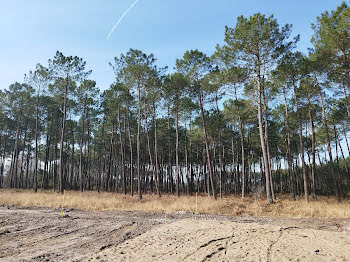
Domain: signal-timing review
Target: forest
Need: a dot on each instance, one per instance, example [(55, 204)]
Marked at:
[(256, 117)]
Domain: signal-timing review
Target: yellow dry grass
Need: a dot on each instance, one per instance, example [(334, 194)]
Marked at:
[(234, 206)]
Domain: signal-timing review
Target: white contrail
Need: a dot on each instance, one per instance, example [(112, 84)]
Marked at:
[(121, 18)]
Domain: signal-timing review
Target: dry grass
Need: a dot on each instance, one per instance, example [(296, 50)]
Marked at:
[(92, 201)]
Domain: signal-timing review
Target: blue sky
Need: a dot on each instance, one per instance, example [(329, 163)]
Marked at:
[(32, 31)]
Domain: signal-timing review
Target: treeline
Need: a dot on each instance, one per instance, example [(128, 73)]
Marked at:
[(255, 117)]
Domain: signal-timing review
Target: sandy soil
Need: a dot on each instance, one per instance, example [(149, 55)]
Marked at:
[(41, 234)]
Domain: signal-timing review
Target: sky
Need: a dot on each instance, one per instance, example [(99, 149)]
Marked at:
[(32, 31)]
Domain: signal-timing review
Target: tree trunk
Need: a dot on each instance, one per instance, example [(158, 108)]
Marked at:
[(61, 185), (344, 159), (289, 151), (20, 182), (122, 154), (13, 167), (325, 122), (220, 143), (177, 148), (169, 173), (262, 137), (2, 167), (268, 146), (150, 153), (35, 186), (313, 148), (138, 141), (206, 144), (243, 160), (189, 182), (301, 145), (88, 162), (108, 182), (131, 153), (27, 167), (156, 150), (72, 162), (233, 164)]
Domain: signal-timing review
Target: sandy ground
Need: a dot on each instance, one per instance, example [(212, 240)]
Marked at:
[(41, 234)]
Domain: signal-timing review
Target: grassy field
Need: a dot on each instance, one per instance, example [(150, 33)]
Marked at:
[(234, 206)]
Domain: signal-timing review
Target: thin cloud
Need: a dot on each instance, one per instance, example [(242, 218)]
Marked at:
[(121, 18)]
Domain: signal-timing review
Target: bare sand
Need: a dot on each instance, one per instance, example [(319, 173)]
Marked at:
[(43, 234), (212, 240)]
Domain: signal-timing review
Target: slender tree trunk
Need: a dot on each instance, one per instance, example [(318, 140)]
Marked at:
[(337, 158), (262, 137), (344, 159), (20, 182), (88, 164), (268, 146), (190, 159), (150, 154), (169, 173), (347, 101), (313, 148), (233, 163), (156, 151), (189, 182), (81, 178), (131, 153), (243, 160), (289, 151), (241, 129), (177, 169), (347, 68), (325, 122), (72, 161), (54, 173), (301, 145), (336, 142), (346, 139), (27, 167), (108, 182), (206, 144), (220, 142), (13, 168), (2, 167), (35, 186), (122, 154), (101, 167), (61, 185), (138, 141)]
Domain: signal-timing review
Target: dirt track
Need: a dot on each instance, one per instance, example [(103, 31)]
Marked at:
[(42, 234)]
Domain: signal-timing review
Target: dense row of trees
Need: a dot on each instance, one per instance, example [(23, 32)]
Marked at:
[(256, 116)]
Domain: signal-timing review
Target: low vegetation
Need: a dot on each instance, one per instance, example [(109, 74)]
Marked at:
[(324, 207)]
